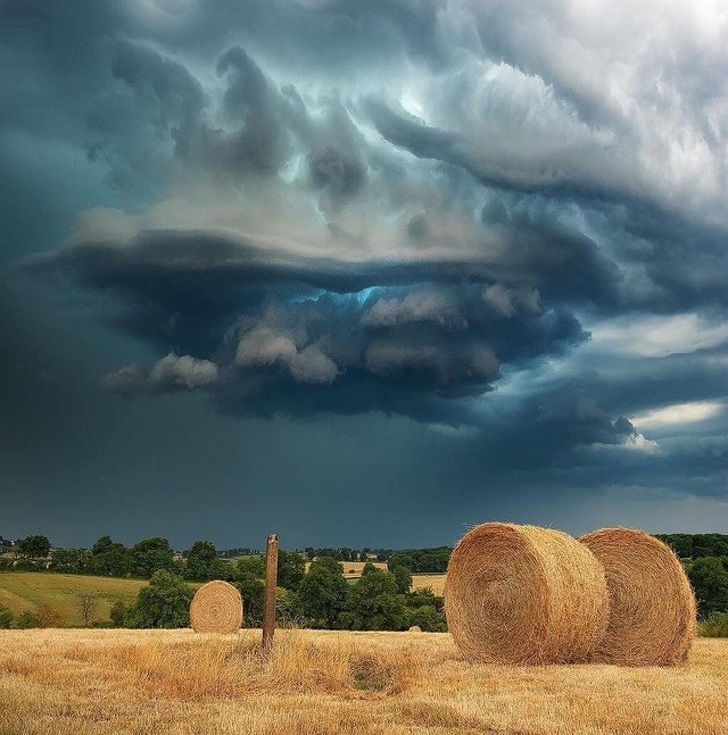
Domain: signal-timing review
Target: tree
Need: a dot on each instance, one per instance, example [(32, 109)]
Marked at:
[(203, 563), (403, 577), (110, 558), (709, 578), (118, 613), (322, 593), (373, 602), (151, 555), (70, 561), (249, 575), (427, 618), (86, 606), (47, 617), (34, 547), (103, 546), (291, 568), (26, 619), (425, 596), (6, 617), (163, 603)]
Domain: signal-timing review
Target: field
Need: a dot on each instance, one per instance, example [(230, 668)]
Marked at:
[(83, 682), (24, 590), (353, 569), (435, 581)]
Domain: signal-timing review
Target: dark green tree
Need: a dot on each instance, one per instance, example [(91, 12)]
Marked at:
[(403, 577), (709, 579), (34, 547), (425, 596), (373, 602), (26, 619), (70, 561), (322, 594), (248, 577), (6, 617), (118, 614), (203, 564), (427, 618), (291, 568), (110, 558), (151, 555), (163, 603)]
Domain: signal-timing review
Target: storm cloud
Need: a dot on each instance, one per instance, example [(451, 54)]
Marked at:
[(505, 223)]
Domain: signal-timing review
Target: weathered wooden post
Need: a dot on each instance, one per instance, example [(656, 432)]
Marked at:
[(269, 601)]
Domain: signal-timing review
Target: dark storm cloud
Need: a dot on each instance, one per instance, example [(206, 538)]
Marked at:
[(412, 207), (401, 350)]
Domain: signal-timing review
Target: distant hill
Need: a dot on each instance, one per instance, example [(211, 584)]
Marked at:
[(21, 591)]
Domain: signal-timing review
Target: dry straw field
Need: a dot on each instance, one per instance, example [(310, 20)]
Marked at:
[(83, 682)]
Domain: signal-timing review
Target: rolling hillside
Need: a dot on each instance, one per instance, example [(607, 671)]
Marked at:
[(25, 590)]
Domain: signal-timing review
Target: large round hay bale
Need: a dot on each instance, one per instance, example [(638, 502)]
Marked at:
[(652, 618), (524, 595), (217, 607)]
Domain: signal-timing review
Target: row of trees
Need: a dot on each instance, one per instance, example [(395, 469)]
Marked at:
[(423, 561), (111, 558), (696, 545), (322, 598), (200, 563)]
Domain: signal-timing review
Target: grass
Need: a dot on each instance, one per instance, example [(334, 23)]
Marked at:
[(83, 682), (25, 590), (716, 626)]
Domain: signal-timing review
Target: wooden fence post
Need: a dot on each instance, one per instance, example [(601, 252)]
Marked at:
[(269, 600)]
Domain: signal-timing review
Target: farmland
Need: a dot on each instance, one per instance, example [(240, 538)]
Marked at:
[(21, 591), (84, 682)]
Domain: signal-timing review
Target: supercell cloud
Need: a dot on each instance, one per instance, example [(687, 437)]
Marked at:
[(504, 221)]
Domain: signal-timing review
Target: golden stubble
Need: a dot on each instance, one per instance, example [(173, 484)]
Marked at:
[(82, 682)]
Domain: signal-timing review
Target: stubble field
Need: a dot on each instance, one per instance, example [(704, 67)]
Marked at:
[(78, 682)]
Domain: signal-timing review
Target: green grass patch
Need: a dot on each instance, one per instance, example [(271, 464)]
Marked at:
[(716, 626), (21, 591)]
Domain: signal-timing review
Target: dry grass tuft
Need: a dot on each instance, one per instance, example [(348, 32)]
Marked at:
[(524, 595), (217, 607), (652, 620)]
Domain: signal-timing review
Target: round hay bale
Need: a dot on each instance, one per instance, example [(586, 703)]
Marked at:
[(217, 607), (415, 629), (652, 617), (524, 595)]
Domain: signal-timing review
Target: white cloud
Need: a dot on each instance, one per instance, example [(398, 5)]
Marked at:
[(264, 346), (657, 336), (183, 371), (418, 306), (678, 414)]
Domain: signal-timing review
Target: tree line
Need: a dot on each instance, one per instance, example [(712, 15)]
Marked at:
[(322, 598), (704, 556)]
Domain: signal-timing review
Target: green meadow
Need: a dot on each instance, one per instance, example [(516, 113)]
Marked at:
[(26, 590)]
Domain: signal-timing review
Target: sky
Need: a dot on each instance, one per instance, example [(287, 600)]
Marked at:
[(362, 273)]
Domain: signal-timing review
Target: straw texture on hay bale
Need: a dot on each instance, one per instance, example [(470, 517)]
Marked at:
[(217, 607), (524, 595), (652, 620), (415, 629)]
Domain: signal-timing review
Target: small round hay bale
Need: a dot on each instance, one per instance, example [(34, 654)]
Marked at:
[(652, 618), (524, 595), (217, 607), (415, 629)]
